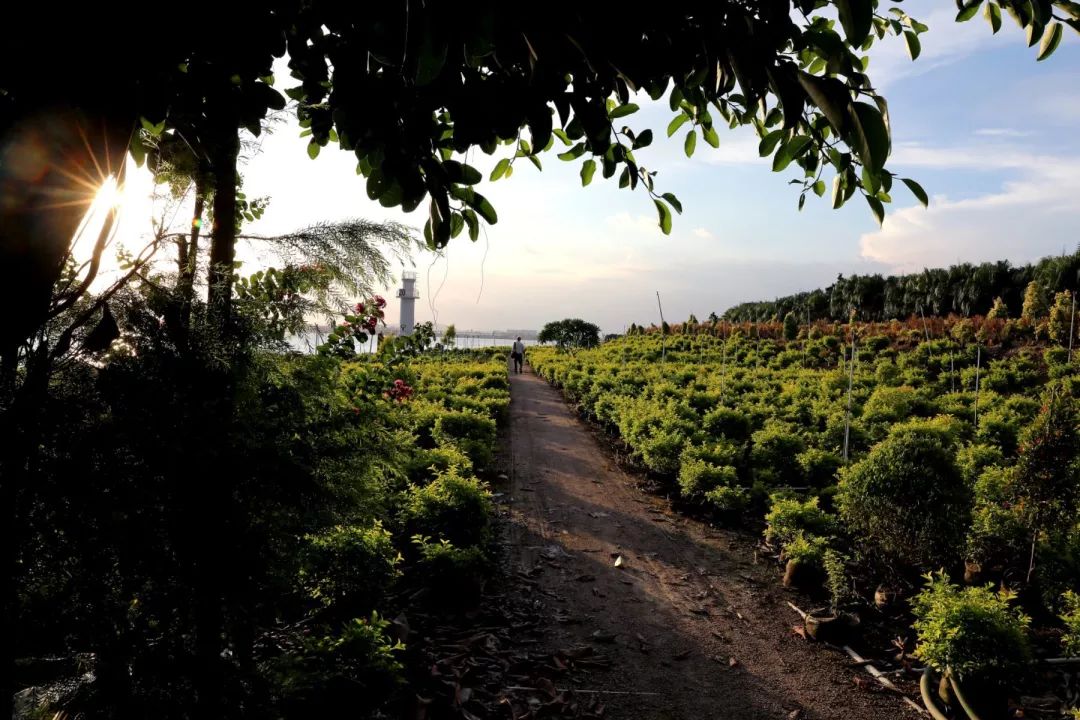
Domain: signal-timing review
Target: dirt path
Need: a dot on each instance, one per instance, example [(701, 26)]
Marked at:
[(693, 627)]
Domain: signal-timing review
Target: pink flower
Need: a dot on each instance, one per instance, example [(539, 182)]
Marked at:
[(359, 308), (379, 301)]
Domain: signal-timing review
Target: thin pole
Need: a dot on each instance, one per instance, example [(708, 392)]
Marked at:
[(978, 363), (952, 373), (663, 340), (851, 380), (723, 362), (1072, 325)]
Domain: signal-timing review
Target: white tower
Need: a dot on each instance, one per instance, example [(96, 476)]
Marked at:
[(408, 295)]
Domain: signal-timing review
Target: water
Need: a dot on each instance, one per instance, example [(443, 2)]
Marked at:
[(307, 342)]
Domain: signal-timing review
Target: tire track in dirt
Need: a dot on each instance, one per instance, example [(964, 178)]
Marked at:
[(693, 628)]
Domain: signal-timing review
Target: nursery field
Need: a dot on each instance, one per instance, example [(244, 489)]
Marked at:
[(920, 475)]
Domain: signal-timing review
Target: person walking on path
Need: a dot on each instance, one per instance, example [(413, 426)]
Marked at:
[(517, 353)]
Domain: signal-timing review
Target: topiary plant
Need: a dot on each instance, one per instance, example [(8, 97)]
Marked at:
[(789, 516), (973, 632), (350, 568), (451, 507), (908, 500)]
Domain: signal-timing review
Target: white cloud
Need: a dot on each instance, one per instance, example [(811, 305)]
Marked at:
[(1002, 133), (703, 233), (1031, 215)]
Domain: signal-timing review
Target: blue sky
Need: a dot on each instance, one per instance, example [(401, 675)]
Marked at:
[(988, 131)]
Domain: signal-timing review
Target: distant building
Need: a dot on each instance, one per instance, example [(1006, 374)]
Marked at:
[(408, 294)]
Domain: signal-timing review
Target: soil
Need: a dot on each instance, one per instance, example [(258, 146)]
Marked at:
[(692, 624)]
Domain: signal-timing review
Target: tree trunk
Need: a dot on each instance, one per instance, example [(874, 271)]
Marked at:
[(8, 597), (223, 238), (189, 260)]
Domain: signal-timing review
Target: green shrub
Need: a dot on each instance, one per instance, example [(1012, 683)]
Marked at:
[(728, 500), (349, 567), (806, 550), (453, 575), (774, 454), (727, 423), (908, 500), (789, 517), (973, 631), (354, 670), (698, 477), (999, 538), (452, 507), (425, 464), (973, 459), (422, 415), (473, 433), (837, 580), (1070, 640), (819, 467)]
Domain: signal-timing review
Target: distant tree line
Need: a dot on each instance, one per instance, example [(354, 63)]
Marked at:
[(965, 289)]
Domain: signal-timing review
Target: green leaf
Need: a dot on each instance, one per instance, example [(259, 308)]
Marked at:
[(917, 190), (623, 111), (588, 168), (484, 208), (473, 223), (665, 216), (563, 137), (830, 96), (457, 223), (500, 169), (819, 188), (857, 17), (968, 10), (690, 143), (313, 149), (461, 173), (838, 191), (673, 201), (914, 47), (676, 123), (624, 178), (790, 150), (644, 139), (992, 13), (711, 137), (573, 153), (1051, 40), (871, 137), (877, 208), (769, 142), (536, 162)]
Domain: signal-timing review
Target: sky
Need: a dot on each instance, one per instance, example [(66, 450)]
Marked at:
[(988, 132)]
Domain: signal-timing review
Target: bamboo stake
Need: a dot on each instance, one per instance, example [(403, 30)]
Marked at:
[(663, 340)]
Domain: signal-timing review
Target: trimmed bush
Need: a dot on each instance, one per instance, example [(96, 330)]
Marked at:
[(454, 575), (819, 467), (349, 567), (326, 674), (452, 508), (698, 477), (788, 517), (973, 632), (473, 433), (724, 422), (908, 500), (774, 454), (423, 465)]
